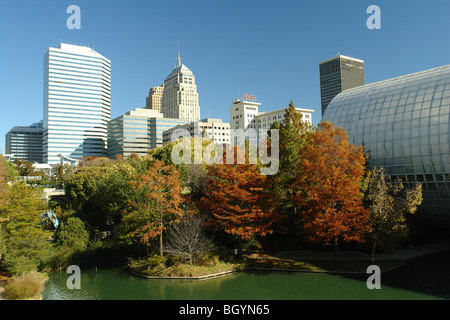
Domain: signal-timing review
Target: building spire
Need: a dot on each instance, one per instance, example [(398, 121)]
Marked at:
[(178, 58)]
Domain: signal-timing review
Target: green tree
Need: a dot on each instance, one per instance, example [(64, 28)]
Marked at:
[(389, 204), (24, 168), (100, 194), (72, 234), (26, 244), (294, 135)]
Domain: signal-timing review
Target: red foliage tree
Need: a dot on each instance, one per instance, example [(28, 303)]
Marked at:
[(162, 203), (330, 188), (237, 199)]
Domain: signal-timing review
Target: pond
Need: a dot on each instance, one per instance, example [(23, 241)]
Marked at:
[(422, 279)]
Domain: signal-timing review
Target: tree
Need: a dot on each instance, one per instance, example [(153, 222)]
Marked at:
[(26, 244), (388, 205), (3, 179), (24, 168), (237, 199), (294, 134), (329, 188), (72, 234), (187, 239), (161, 206), (100, 194)]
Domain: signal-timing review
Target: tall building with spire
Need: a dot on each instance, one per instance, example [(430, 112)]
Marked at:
[(180, 98)]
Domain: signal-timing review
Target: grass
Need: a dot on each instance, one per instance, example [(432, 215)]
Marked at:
[(27, 286), (164, 268), (353, 266)]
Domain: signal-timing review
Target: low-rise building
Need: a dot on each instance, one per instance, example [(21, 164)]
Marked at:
[(26, 142), (138, 131), (214, 129)]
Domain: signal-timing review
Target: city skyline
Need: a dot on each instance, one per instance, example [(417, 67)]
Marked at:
[(276, 57)]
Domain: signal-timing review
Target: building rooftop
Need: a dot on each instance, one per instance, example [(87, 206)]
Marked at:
[(342, 56)]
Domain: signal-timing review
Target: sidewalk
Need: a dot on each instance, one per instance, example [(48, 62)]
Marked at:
[(401, 254)]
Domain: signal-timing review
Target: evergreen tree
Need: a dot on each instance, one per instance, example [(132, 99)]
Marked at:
[(26, 243)]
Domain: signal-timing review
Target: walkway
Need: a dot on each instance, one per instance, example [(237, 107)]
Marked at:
[(401, 254)]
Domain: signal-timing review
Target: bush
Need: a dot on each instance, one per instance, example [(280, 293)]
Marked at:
[(26, 286), (73, 234)]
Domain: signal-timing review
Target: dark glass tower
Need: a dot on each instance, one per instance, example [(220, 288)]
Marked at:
[(338, 74)]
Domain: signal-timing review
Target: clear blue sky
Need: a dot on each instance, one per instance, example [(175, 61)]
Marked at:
[(269, 48)]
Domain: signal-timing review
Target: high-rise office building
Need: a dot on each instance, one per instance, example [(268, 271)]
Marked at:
[(77, 102), (180, 97), (138, 131), (153, 100), (25, 142), (338, 74)]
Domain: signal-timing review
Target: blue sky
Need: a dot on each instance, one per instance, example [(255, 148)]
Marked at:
[(269, 48)]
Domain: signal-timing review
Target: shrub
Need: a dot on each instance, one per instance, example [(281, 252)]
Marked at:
[(26, 286), (73, 234)]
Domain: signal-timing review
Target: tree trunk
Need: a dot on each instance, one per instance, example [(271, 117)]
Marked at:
[(161, 253), (373, 250), (336, 250), (239, 247)]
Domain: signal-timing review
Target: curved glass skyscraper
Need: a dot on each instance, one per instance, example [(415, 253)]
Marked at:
[(77, 102), (403, 124)]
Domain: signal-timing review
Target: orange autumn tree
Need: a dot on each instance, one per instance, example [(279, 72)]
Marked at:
[(237, 200), (330, 193), (161, 204)]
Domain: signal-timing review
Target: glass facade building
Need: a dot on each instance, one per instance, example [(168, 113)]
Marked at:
[(77, 103), (25, 142), (338, 74), (137, 131), (403, 124)]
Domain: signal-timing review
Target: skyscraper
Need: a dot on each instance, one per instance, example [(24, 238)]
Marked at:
[(338, 74), (153, 100), (77, 102), (180, 97), (25, 142)]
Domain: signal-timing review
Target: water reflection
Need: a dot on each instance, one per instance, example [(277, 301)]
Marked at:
[(422, 279)]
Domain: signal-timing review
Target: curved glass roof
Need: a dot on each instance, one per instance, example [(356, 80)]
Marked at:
[(403, 124)]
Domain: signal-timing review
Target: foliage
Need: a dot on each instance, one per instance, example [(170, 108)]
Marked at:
[(294, 135), (237, 200), (26, 244), (388, 205), (8, 171), (24, 168), (63, 172), (161, 206), (329, 188), (72, 234), (29, 285), (100, 194)]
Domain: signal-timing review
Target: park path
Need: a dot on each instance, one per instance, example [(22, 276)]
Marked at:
[(400, 254)]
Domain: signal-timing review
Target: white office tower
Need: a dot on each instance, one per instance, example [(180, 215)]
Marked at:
[(243, 113), (180, 97), (77, 103)]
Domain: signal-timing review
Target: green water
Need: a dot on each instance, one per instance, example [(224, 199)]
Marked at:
[(423, 279)]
